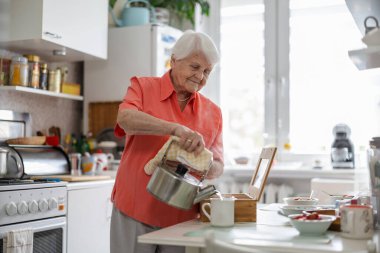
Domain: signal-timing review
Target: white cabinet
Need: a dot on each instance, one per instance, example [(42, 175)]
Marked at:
[(41, 26), (89, 216)]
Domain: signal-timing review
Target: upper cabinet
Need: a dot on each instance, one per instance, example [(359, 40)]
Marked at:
[(50, 28), (366, 14)]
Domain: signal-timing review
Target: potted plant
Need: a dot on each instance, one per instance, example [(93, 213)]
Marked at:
[(184, 9), (180, 10)]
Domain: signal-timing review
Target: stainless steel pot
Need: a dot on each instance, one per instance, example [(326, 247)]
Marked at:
[(177, 188), (11, 165)]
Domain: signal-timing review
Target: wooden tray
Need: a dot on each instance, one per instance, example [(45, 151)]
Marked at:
[(245, 208), (33, 140), (70, 178)]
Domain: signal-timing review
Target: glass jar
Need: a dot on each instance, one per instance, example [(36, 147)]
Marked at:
[(4, 71), (19, 71), (34, 70)]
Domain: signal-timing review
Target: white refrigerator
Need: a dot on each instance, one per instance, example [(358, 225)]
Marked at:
[(132, 51)]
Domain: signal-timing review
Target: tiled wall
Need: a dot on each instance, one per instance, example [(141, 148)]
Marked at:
[(48, 111)]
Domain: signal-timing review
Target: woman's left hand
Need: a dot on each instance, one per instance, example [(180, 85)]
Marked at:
[(190, 140)]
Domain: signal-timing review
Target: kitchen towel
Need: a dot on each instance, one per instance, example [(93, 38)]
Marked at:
[(19, 241), (201, 163)]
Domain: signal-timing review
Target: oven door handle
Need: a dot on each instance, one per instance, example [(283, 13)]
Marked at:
[(36, 226)]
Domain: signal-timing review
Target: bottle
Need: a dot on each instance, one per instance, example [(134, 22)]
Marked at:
[(35, 80), (44, 77), (34, 70), (83, 145)]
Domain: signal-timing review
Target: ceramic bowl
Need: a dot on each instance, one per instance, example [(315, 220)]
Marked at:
[(291, 209), (314, 227), (301, 201)]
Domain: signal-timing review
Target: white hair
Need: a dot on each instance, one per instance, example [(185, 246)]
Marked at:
[(195, 42)]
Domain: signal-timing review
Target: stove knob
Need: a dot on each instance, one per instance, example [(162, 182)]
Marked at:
[(11, 209), (43, 205), (53, 203), (33, 206), (22, 208)]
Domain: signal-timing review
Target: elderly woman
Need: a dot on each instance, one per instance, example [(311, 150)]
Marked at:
[(153, 109)]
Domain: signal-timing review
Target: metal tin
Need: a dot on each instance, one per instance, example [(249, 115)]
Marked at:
[(55, 80)]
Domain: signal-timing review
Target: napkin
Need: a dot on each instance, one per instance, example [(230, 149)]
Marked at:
[(201, 163), (19, 241)]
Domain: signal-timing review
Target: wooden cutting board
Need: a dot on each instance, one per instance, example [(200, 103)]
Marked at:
[(70, 178)]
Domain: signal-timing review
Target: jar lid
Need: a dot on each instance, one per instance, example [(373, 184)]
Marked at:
[(19, 59), (32, 58)]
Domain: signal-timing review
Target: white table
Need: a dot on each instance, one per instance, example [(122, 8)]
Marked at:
[(271, 232)]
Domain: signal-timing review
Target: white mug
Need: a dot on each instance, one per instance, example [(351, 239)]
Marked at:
[(356, 221), (222, 211)]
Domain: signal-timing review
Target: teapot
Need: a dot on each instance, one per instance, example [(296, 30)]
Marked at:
[(11, 165), (135, 12)]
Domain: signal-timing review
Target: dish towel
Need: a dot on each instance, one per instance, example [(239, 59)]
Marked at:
[(19, 241), (201, 163)]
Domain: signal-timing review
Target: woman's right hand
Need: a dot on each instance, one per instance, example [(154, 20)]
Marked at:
[(189, 140)]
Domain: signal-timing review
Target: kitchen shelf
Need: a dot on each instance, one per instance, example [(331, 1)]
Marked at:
[(366, 58), (41, 92)]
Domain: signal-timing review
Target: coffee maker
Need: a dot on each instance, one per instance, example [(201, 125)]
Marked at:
[(373, 155), (342, 149)]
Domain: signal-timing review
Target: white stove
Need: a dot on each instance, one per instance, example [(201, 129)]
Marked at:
[(37, 205), (32, 206), (32, 201)]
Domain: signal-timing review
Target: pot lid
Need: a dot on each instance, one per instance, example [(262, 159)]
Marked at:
[(182, 173)]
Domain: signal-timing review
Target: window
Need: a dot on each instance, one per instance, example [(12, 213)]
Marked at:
[(308, 84), (242, 74), (325, 86)]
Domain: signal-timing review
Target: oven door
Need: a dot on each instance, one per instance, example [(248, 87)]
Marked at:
[(49, 235)]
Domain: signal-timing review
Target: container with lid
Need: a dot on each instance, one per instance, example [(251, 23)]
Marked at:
[(19, 71)]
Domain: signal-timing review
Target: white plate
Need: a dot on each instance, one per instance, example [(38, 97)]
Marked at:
[(292, 209), (301, 201)]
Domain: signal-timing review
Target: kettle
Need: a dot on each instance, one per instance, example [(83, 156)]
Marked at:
[(11, 165), (135, 12), (177, 188)]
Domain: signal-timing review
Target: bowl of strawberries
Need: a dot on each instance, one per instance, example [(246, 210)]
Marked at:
[(311, 223)]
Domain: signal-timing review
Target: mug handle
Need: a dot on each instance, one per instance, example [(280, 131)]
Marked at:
[(350, 225), (205, 211)]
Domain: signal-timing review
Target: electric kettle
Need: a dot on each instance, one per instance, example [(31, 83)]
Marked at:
[(135, 12)]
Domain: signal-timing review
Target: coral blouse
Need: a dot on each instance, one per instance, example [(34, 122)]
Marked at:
[(156, 96)]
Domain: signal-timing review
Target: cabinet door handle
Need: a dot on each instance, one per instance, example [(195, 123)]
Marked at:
[(53, 35)]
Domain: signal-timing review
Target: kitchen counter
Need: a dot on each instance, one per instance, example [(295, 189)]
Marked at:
[(296, 172), (89, 184), (271, 232)]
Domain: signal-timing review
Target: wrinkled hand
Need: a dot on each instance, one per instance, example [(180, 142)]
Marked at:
[(189, 140)]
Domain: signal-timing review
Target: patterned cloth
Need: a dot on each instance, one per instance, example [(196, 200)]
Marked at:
[(201, 163)]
